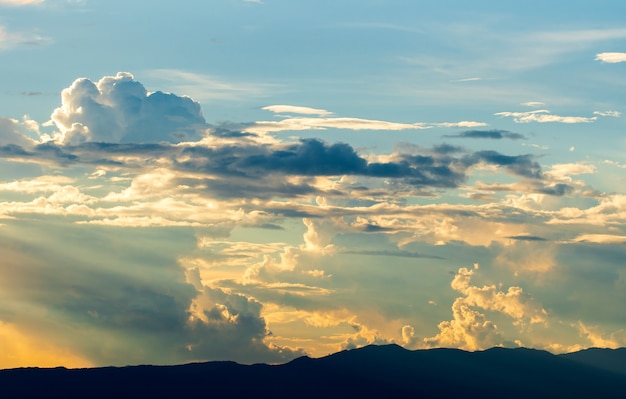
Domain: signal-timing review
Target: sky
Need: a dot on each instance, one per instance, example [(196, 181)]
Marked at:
[(257, 180)]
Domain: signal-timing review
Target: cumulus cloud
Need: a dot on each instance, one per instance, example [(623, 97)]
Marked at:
[(611, 57), (226, 183), (600, 340), (119, 109), (469, 328), (15, 133), (228, 326), (109, 300), (544, 116)]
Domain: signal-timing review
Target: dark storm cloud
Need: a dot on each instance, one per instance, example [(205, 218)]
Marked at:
[(488, 134)]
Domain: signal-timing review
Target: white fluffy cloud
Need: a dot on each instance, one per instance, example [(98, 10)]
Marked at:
[(12, 132), (119, 109), (469, 328)]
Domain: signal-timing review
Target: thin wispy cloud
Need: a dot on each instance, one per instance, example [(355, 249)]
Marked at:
[(614, 114), (203, 87), (544, 116), (17, 3), (533, 104), (466, 80), (10, 39), (294, 109), (611, 58), (296, 124)]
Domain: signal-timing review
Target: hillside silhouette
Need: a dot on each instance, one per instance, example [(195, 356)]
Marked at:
[(371, 371)]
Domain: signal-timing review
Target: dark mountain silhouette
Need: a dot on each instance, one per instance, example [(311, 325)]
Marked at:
[(372, 371), (607, 359)]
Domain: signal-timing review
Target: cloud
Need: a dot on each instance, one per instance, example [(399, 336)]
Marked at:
[(320, 123), (533, 104), (614, 163), (598, 339), (600, 239), (95, 309), (119, 109), (401, 254), (293, 109), (544, 116), (229, 326), (521, 165), (312, 157), (459, 124), (489, 134), (470, 329), (301, 123), (15, 133), (466, 80), (9, 39), (226, 186), (18, 3), (611, 58), (295, 124), (609, 210), (206, 88), (614, 114), (527, 238)]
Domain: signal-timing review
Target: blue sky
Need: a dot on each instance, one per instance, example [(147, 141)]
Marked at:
[(257, 180)]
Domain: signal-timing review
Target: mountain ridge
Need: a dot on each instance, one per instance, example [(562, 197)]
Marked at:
[(388, 370)]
